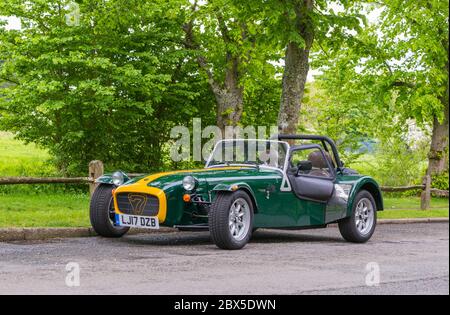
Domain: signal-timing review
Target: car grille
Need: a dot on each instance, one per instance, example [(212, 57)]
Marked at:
[(138, 204)]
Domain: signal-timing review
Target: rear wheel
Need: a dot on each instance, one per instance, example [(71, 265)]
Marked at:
[(360, 226), (231, 220), (102, 213)]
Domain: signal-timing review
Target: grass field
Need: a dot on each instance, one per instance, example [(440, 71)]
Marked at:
[(49, 210), (409, 207), (72, 210), (35, 206), (20, 159)]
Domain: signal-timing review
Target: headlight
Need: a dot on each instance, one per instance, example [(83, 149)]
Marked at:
[(189, 183), (117, 178)]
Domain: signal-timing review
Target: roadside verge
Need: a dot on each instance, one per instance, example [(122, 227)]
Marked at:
[(22, 234)]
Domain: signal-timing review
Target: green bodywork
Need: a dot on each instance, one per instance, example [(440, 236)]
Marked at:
[(273, 207)]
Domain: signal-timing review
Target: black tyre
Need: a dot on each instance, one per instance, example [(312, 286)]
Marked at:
[(360, 225), (231, 219), (102, 213)]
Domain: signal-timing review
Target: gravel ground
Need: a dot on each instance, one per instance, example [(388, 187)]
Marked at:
[(410, 258)]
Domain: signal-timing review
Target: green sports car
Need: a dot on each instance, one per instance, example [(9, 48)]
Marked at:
[(288, 182)]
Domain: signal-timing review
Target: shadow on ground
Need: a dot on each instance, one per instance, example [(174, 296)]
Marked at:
[(203, 238)]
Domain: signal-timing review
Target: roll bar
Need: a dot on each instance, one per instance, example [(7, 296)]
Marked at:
[(322, 139)]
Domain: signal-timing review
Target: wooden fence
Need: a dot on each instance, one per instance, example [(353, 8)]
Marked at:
[(96, 170)]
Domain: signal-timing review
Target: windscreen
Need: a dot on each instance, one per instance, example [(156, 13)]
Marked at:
[(250, 152)]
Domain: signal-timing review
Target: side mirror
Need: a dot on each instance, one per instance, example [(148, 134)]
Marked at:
[(304, 166)]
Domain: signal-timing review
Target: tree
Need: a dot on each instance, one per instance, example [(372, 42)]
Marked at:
[(342, 115), (296, 63), (108, 86), (399, 66), (109, 79), (418, 32), (229, 47), (296, 26)]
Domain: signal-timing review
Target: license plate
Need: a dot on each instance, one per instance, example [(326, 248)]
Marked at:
[(137, 221)]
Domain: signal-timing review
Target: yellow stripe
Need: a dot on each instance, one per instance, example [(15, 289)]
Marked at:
[(141, 186), (154, 177)]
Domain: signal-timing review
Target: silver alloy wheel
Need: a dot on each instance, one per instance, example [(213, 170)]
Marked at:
[(239, 219), (364, 216)]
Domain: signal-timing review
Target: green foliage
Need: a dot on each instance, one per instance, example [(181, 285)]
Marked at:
[(111, 84), (228, 41), (109, 88), (262, 101), (395, 163), (224, 29), (385, 76), (342, 115), (440, 181)]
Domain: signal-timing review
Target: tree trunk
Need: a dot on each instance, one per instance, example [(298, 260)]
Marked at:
[(229, 94), (438, 155), (294, 79), (229, 107), (296, 69), (229, 97)]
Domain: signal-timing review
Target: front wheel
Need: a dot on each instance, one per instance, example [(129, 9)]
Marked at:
[(231, 219), (359, 227), (102, 213)]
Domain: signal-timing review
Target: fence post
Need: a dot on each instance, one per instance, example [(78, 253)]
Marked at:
[(95, 171), (425, 196)]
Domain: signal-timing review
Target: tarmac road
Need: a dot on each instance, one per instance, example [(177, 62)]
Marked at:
[(410, 258)]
